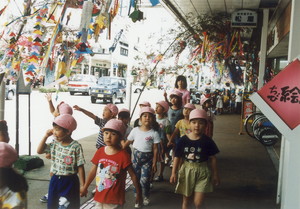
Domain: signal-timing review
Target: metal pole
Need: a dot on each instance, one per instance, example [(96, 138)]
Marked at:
[(29, 125), (263, 48), (2, 101), (17, 117)]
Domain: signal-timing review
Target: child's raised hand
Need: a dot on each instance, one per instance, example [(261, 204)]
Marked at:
[(49, 132), (165, 94), (48, 96), (76, 107)]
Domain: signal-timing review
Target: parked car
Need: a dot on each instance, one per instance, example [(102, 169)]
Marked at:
[(10, 91), (109, 88), (81, 83)]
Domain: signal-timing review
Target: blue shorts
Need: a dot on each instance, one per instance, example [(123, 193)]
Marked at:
[(64, 186)]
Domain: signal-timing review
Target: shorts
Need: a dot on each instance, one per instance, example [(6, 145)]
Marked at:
[(193, 177), (100, 205)]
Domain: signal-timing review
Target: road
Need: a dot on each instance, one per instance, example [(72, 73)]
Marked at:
[(41, 118)]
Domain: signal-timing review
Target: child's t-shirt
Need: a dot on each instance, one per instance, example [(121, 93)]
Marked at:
[(111, 176), (143, 140), (65, 159), (184, 127), (174, 116), (164, 128), (101, 123), (196, 150)]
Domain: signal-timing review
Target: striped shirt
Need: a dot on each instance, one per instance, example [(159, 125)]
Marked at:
[(101, 123)]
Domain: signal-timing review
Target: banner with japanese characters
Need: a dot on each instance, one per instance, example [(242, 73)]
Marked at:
[(282, 94)]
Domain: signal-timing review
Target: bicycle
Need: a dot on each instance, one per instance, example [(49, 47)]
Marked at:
[(258, 126)]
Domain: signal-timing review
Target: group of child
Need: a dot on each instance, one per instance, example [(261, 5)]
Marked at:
[(174, 124)]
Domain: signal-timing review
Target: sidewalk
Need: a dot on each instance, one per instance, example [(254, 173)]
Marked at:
[(248, 176)]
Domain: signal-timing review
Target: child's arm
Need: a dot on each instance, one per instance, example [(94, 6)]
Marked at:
[(136, 184), (166, 96), (90, 178), (81, 173), (126, 144), (88, 113), (49, 99), (42, 145), (171, 139), (214, 170), (173, 178), (155, 151)]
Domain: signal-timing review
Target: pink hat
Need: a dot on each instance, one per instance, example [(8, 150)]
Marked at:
[(176, 93), (115, 125), (164, 104), (66, 121), (147, 109), (124, 110), (145, 103), (113, 108), (190, 106), (8, 155), (198, 113), (203, 100), (64, 108)]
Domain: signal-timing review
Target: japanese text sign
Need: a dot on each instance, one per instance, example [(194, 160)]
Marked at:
[(282, 94)]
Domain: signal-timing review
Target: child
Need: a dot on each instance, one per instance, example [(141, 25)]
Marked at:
[(175, 113), (110, 111), (162, 108), (181, 86), (124, 116), (13, 186), (110, 164), (4, 137), (66, 161), (145, 139), (62, 108), (195, 149), (206, 105), (182, 127), (142, 104)]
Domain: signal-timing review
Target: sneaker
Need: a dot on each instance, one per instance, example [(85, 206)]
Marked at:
[(167, 160), (146, 201), (44, 199), (151, 186), (159, 179), (136, 205)]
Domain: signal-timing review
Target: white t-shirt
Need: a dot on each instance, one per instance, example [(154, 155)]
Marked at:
[(143, 140)]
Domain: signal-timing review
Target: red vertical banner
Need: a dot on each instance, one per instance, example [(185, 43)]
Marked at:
[(247, 109)]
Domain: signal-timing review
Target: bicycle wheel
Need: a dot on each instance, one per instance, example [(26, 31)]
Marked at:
[(259, 123), (269, 136), (249, 121)]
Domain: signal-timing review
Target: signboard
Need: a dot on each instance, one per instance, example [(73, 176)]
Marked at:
[(244, 18), (282, 94), (247, 109), (21, 87)]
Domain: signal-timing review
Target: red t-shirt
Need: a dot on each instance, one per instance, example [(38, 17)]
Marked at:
[(111, 176)]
